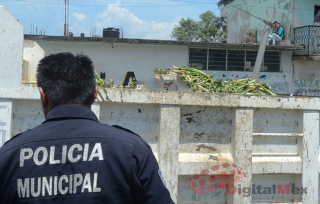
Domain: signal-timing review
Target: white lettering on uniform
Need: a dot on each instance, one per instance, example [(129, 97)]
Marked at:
[(33, 192), (65, 190), (86, 183), (23, 189), (44, 156), (51, 160), (95, 183), (77, 182), (46, 185), (85, 152), (70, 153), (24, 156), (96, 152), (70, 184), (75, 153), (54, 185), (64, 154)]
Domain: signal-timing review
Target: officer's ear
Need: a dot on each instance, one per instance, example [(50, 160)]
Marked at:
[(95, 95), (44, 101)]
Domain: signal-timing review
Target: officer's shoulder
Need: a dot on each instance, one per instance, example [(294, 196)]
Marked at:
[(130, 136), (11, 143), (127, 130), (14, 138)]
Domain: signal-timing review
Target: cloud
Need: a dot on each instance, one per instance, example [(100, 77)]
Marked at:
[(133, 26), (79, 17), (113, 15)]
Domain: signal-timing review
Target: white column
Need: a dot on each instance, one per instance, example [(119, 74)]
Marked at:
[(11, 49), (309, 153), (241, 142), (95, 107), (5, 121), (168, 147)]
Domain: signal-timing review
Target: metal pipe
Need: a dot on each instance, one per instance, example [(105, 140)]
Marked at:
[(262, 49)]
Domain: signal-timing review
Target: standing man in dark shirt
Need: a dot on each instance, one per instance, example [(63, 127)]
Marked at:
[(71, 157)]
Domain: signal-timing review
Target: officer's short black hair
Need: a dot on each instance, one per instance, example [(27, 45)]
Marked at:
[(67, 79)]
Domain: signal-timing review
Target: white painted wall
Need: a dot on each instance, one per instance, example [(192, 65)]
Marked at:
[(143, 59), (306, 78), (32, 54), (269, 137), (11, 45), (11, 38), (118, 58)]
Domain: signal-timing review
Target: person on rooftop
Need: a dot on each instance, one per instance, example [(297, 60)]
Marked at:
[(277, 34)]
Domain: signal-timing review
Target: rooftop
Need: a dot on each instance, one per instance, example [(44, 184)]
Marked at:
[(160, 42)]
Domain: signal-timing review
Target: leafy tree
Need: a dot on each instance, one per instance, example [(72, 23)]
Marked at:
[(210, 28), (186, 31), (222, 3)]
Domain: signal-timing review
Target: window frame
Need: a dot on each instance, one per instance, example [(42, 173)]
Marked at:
[(207, 65)]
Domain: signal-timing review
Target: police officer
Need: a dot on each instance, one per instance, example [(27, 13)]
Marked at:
[(71, 157)]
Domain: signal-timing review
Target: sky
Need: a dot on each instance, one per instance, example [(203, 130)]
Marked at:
[(142, 19)]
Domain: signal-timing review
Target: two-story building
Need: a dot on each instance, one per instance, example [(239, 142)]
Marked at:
[(300, 20), (289, 67)]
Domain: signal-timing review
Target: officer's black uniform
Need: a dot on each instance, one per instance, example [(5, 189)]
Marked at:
[(72, 158)]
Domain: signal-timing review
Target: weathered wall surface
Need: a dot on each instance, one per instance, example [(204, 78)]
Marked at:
[(11, 36), (304, 12), (290, 13), (143, 59), (117, 59), (202, 138), (306, 78)]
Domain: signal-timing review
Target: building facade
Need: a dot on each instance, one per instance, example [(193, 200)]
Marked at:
[(301, 22)]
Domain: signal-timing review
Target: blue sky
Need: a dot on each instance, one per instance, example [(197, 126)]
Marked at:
[(144, 19)]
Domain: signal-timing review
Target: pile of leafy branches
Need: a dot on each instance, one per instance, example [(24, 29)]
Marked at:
[(200, 81), (100, 82), (103, 84)]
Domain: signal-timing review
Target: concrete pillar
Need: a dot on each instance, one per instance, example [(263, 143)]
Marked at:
[(241, 142), (5, 121), (168, 147), (95, 107), (11, 49), (308, 149)]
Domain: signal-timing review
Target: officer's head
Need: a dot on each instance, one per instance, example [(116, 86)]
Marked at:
[(66, 79)]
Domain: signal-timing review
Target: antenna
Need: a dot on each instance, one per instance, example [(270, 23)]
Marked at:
[(66, 18)]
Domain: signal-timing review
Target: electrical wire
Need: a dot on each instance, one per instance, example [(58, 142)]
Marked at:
[(97, 13), (139, 6), (87, 15), (192, 3), (51, 20), (51, 15), (266, 22), (46, 11), (246, 5), (195, 2)]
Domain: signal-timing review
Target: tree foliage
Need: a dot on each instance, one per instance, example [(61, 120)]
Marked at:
[(222, 3), (210, 28)]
